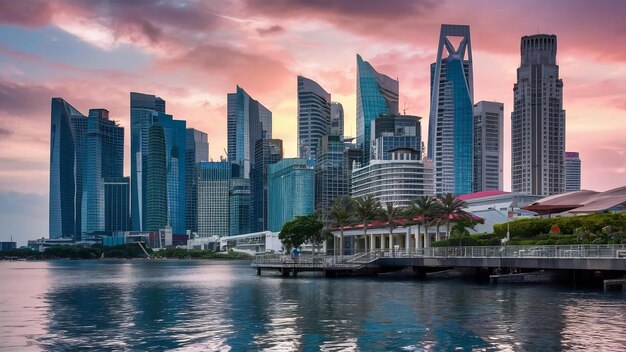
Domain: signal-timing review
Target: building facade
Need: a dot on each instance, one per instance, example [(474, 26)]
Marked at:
[(197, 150), (291, 184), (266, 152), (450, 133), (398, 180), (488, 146), (390, 132), (313, 116), (117, 204), (376, 94), (336, 119), (572, 171), (239, 202), (538, 120), (330, 176), (156, 195), (213, 198)]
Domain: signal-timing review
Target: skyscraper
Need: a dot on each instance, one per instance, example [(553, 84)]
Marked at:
[(213, 198), (390, 132), (376, 94), (336, 119), (117, 204), (538, 120), (67, 132), (248, 121), (488, 146), (572, 171), (313, 116), (146, 110), (330, 176), (104, 157), (291, 184), (239, 202), (197, 150), (156, 181), (451, 103), (266, 152)]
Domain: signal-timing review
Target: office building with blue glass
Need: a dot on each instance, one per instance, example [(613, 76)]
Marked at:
[(314, 118), (197, 150), (450, 131), (391, 132), (376, 94), (291, 193), (331, 180), (266, 152)]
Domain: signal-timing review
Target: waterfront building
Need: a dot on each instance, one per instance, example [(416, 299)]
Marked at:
[(266, 152), (116, 204), (572, 171), (67, 133), (398, 180), (197, 150), (156, 180), (7, 246), (213, 198), (247, 121), (451, 118), (291, 184), (488, 146), (330, 177), (376, 94), (239, 202), (390, 132), (146, 110), (313, 116), (336, 119), (538, 120)]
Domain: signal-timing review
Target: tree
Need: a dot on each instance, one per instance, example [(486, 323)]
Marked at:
[(366, 210), (460, 228), (451, 208), (299, 230), (427, 210), (341, 213), (389, 214)]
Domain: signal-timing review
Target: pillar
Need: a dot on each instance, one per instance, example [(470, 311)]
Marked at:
[(391, 241), (382, 241), (372, 242), (407, 240)]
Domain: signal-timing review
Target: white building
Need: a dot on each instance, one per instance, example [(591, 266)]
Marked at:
[(572, 171), (488, 146)]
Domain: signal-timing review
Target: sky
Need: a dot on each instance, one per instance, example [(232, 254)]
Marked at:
[(192, 53)]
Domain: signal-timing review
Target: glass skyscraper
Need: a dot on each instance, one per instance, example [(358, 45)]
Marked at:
[(266, 152), (156, 180), (313, 116), (336, 119), (67, 133), (375, 94), (330, 176), (450, 133), (390, 132), (116, 204), (197, 150), (291, 184), (213, 198)]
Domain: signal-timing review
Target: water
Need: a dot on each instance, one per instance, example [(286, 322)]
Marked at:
[(222, 306)]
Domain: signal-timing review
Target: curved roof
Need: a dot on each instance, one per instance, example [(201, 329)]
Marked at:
[(584, 201)]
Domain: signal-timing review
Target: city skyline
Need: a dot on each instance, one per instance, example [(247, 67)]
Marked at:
[(113, 62)]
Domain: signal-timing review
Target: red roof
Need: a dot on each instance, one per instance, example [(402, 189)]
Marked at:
[(482, 194)]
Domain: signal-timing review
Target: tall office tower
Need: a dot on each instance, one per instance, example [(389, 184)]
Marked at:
[(451, 103), (390, 132), (352, 158), (146, 110), (266, 152), (104, 143), (375, 94), (336, 119), (67, 133), (572, 171), (197, 150), (313, 116), (116, 204), (291, 184), (488, 146), (156, 180), (248, 121), (538, 120), (330, 176), (239, 202), (213, 198)]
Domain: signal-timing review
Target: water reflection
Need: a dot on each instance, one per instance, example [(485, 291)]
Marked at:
[(222, 306)]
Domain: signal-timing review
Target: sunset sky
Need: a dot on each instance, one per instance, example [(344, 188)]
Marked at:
[(93, 53)]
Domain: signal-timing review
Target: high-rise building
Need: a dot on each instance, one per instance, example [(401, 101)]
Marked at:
[(390, 132), (67, 134), (117, 204), (572, 171), (336, 119), (104, 143), (488, 146), (313, 116), (352, 159), (398, 180), (376, 94), (266, 152), (248, 121), (197, 150), (239, 202), (538, 120), (156, 194), (451, 103), (330, 176), (146, 110), (291, 184), (213, 198)]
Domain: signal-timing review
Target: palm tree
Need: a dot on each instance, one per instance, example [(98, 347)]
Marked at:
[(427, 209), (389, 214), (366, 209), (451, 207), (341, 213)]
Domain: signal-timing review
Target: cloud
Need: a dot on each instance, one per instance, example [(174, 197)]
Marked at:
[(275, 29), (5, 132), (31, 13)]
